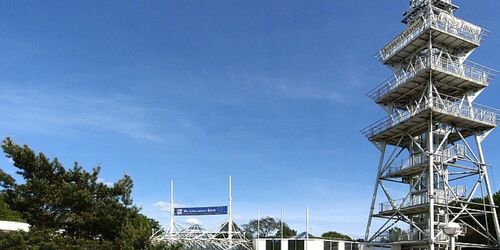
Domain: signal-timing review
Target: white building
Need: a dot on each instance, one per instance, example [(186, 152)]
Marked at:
[(303, 244), (13, 226)]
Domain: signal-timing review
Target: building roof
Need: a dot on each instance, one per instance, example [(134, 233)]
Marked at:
[(303, 236)]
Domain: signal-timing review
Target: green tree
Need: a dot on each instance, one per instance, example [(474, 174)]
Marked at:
[(165, 246), (71, 209), (287, 231), (268, 227), (6, 213), (472, 235), (336, 236)]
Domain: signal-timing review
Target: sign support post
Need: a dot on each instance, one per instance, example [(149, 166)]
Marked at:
[(230, 206), (171, 225)]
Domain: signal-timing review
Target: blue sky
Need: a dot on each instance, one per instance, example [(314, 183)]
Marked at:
[(270, 92)]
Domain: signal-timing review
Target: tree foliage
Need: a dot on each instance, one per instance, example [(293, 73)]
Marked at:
[(336, 236), (268, 227), (70, 209), (6, 213), (287, 232), (472, 235)]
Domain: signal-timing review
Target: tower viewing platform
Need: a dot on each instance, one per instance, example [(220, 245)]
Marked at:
[(406, 168), (418, 202), (452, 77), (472, 117), (444, 28)]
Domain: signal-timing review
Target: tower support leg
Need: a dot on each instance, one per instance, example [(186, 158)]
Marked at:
[(382, 149), (430, 187), (488, 187)]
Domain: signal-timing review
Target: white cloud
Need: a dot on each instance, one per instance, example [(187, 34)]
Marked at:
[(10, 161), (164, 206), (306, 92), (44, 111), (193, 221), (296, 90), (237, 217), (103, 181)]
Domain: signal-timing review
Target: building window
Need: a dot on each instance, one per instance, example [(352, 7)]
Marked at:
[(273, 244), (348, 246), (330, 245), (295, 245), (355, 246)]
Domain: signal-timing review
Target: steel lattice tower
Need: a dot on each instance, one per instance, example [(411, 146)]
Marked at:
[(431, 140)]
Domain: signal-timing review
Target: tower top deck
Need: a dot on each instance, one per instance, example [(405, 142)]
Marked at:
[(417, 7)]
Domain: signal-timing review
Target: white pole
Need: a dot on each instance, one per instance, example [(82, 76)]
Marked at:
[(171, 225), (258, 223), (307, 227), (281, 223), (230, 221)]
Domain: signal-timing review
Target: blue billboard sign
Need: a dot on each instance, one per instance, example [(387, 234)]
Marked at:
[(189, 211)]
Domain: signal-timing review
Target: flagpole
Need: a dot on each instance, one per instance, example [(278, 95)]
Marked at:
[(307, 227), (282, 223), (258, 223)]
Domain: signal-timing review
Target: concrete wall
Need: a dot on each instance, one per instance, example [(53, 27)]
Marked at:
[(314, 245), (284, 245), (341, 245), (259, 244)]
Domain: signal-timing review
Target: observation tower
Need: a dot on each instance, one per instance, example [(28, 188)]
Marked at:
[(432, 172)]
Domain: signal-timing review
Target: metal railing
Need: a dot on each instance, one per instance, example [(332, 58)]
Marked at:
[(459, 191), (467, 70), (442, 22), (423, 198), (397, 235), (455, 151), (460, 108), (414, 200), (451, 106)]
